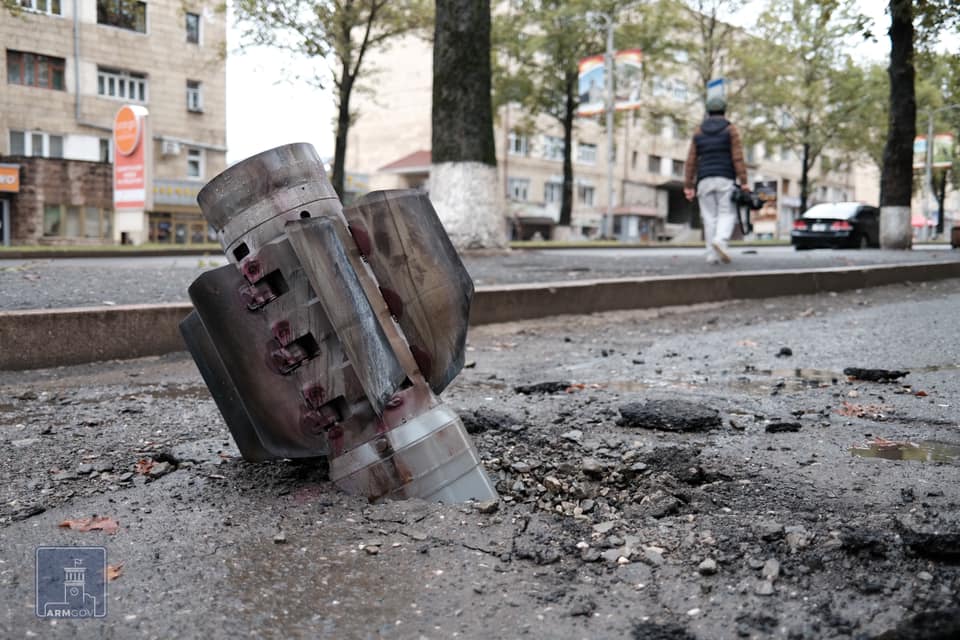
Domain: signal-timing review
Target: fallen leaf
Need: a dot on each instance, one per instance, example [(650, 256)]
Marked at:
[(97, 523), (920, 394), (875, 411), (114, 571), (143, 466)]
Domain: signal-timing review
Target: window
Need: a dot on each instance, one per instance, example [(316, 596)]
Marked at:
[(194, 96), (34, 70), (677, 168), (653, 164), (195, 163), (660, 87), (553, 192), (71, 221), (585, 194), (679, 90), (125, 14), (518, 188), (122, 85), (35, 143), (51, 7), (193, 28), (586, 153), (517, 144), (552, 148), (106, 150)]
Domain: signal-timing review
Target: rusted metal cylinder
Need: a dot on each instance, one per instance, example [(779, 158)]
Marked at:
[(297, 331)]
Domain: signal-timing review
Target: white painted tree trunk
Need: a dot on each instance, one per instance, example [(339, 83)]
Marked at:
[(468, 201), (895, 229)]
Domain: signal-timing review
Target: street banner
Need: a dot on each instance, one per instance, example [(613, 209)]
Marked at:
[(627, 80), (767, 192), (10, 178), (716, 88), (942, 151), (131, 159)]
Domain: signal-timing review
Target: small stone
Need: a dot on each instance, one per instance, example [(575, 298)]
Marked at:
[(25, 442), (611, 555), (693, 613), (708, 567), (591, 467), (84, 468), (280, 538), (125, 477), (574, 435), (771, 569), (487, 506), (372, 549), (604, 527), (654, 555), (764, 588), (552, 484), (926, 576), (587, 505), (785, 352), (160, 469)]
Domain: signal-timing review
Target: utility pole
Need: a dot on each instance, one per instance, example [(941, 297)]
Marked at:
[(606, 227)]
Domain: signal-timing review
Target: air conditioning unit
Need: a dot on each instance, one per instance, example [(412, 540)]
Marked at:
[(170, 148)]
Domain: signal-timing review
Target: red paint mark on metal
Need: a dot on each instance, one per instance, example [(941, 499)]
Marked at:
[(252, 269), (282, 332), (362, 238), (394, 302), (314, 395)]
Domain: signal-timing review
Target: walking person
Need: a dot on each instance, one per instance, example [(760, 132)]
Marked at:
[(714, 161)]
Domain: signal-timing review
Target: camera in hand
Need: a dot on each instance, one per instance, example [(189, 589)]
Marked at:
[(748, 199)]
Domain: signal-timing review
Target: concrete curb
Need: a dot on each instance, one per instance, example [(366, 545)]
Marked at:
[(54, 337)]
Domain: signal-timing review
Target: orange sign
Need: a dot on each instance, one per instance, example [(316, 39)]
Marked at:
[(10, 178), (130, 158), (126, 130)]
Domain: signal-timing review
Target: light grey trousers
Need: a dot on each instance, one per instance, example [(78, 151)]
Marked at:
[(717, 213)]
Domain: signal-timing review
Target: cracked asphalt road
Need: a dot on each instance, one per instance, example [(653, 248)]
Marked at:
[(605, 529)]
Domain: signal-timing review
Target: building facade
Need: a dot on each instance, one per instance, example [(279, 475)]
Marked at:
[(68, 67), (390, 141)]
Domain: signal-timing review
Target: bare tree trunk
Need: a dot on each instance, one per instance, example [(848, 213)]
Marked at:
[(566, 202), (463, 176), (941, 191), (805, 177), (343, 128), (896, 182)]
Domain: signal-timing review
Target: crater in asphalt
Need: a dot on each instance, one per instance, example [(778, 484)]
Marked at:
[(923, 451)]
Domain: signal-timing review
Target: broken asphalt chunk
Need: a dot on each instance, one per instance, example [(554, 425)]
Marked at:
[(874, 375), (669, 415)]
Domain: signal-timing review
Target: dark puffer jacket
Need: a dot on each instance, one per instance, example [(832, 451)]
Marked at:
[(715, 152)]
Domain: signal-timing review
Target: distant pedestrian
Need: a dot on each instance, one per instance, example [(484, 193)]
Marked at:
[(714, 161)]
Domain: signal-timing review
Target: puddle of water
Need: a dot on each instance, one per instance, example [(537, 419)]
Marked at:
[(923, 451)]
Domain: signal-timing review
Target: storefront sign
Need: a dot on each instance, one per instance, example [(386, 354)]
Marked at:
[(132, 156), (9, 178)]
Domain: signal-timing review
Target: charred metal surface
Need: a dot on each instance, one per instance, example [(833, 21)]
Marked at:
[(323, 339), (421, 276)]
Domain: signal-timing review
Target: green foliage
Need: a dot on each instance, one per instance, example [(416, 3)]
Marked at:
[(808, 93)]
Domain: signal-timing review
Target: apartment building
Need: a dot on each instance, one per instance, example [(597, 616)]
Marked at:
[(390, 142), (68, 67)]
